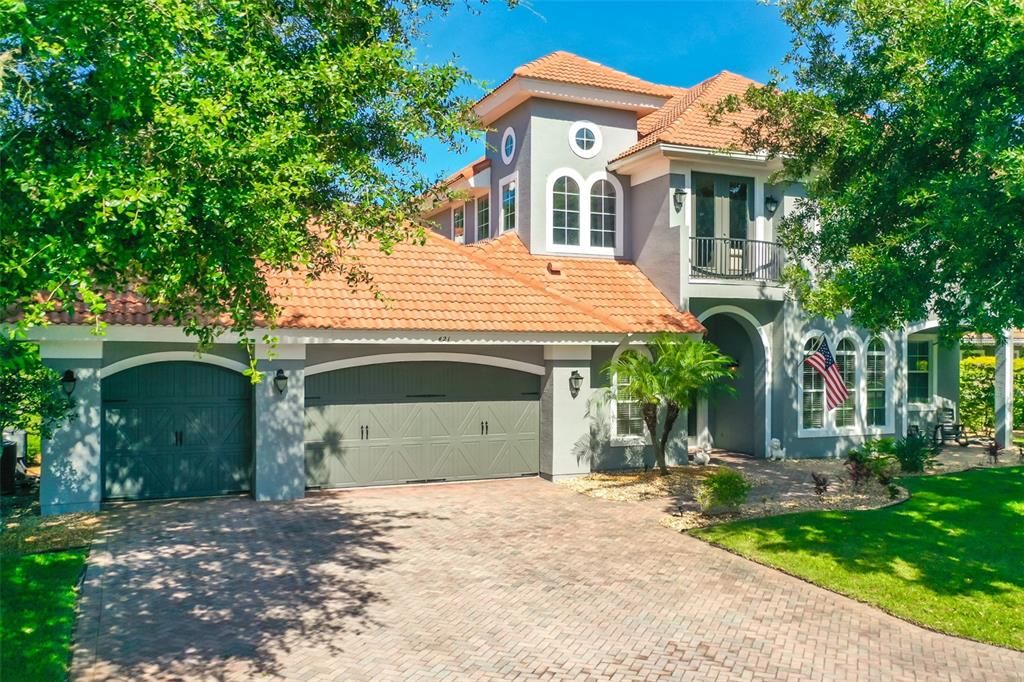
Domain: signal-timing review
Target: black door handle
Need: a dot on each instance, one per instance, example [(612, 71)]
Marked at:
[(367, 432), (481, 428), (487, 428)]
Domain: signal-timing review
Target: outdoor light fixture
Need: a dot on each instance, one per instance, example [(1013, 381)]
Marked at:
[(68, 381), (770, 204), (575, 382), (677, 198), (280, 381), (733, 366)]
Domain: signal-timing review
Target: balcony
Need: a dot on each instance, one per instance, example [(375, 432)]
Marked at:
[(739, 260)]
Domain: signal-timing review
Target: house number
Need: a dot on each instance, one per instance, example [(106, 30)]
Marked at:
[(444, 338)]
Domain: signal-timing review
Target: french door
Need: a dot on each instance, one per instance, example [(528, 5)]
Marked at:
[(723, 222)]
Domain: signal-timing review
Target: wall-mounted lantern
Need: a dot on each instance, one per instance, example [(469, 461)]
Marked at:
[(280, 381), (678, 196), (770, 204), (68, 381), (733, 366), (575, 383)]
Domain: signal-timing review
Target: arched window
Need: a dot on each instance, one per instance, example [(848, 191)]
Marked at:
[(627, 420), (846, 360), (874, 374), (602, 214), (813, 399), (565, 218)]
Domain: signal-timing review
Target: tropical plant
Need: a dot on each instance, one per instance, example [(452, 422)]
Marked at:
[(821, 483), (875, 460), (978, 391), (724, 490), (679, 371), (915, 452), (30, 397), (904, 119)]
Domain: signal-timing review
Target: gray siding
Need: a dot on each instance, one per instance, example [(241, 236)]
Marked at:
[(519, 120)]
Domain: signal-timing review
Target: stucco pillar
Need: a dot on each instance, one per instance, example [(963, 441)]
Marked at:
[(70, 479), (279, 420), (1004, 390), (564, 419)]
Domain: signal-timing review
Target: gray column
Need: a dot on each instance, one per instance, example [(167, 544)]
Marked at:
[(279, 459), (564, 419), (70, 480), (1004, 390)]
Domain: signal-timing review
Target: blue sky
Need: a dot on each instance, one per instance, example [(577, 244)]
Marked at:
[(677, 42)]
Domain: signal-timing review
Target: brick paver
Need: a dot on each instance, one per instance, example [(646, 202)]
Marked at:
[(497, 580)]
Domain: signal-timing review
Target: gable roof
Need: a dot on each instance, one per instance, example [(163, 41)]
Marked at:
[(685, 119), (566, 67), (443, 286)]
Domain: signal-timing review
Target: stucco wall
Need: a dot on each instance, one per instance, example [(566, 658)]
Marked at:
[(320, 353), (519, 120), (654, 245)]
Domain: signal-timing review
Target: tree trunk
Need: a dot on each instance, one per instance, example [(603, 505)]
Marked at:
[(671, 413), (650, 415)]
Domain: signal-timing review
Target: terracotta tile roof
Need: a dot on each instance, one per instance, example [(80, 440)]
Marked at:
[(444, 286), (684, 119), (566, 67), (468, 171)]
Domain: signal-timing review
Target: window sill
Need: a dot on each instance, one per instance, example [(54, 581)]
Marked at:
[(839, 433), (628, 441)]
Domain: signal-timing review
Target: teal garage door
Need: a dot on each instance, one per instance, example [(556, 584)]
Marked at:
[(176, 429), (420, 421)]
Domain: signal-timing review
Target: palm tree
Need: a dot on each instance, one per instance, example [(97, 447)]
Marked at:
[(681, 370)]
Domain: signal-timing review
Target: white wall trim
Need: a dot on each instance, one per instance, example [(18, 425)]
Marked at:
[(598, 139), (509, 133), (512, 178), (387, 358), (586, 186), (172, 356), (613, 403), (764, 332)]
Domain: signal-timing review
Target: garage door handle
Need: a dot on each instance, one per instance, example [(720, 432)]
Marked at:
[(481, 428), (487, 428)]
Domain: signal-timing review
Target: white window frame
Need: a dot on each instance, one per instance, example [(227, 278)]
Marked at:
[(476, 216), (613, 406), (509, 133), (461, 208), (932, 380), (580, 151), (860, 426), (502, 183), (586, 186), (858, 367)]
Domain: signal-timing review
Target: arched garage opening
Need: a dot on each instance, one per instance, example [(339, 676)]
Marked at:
[(418, 421), (176, 429)]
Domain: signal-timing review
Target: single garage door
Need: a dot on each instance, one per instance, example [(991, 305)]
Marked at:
[(176, 429), (420, 421)]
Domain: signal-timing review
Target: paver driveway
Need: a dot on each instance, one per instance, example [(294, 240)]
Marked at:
[(470, 581)]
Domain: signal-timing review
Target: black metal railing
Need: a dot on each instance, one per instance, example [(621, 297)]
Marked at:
[(743, 259)]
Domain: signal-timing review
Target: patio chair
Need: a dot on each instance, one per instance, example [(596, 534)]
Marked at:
[(949, 429)]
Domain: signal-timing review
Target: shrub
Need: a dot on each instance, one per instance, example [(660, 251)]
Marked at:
[(725, 489), (875, 460), (915, 452), (821, 483), (977, 393)]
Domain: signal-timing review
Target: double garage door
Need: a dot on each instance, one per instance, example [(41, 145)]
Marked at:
[(420, 421), (184, 429)]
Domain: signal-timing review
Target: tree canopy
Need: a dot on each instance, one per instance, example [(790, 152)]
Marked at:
[(179, 148), (906, 119)]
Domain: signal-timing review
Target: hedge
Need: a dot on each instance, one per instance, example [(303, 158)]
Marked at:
[(978, 392)]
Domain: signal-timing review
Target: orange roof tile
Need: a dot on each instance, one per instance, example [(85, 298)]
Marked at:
[(684, 119), (468, 171), (444, 286), (566, 67)]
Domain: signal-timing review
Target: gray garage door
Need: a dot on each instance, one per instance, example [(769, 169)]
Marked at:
[(176, 429), (420, 421)]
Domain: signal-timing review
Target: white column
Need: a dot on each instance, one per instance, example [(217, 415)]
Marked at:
[(70, 479), (1004, 390), (564, 418), (279, 466)]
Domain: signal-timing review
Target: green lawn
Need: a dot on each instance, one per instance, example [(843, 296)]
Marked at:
[(950, 558), (37, 613)]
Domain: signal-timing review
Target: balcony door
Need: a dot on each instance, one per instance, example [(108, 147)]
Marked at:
[(723, 221)]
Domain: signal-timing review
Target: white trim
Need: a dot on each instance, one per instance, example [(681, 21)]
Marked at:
[(651, 169), (511, 178), (586, 186), (509, 133), (171, 356), (87, 349), (613, 404), (890, 388), (574, 146), (520, 88), (458, 207), (764, 332), (282, 351), (476, 217), (387, 358)]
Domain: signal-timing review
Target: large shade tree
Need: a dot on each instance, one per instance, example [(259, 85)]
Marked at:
[(179, 148), (906, 119), (679, 371)]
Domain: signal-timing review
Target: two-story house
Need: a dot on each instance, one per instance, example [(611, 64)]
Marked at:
[(605, 208)]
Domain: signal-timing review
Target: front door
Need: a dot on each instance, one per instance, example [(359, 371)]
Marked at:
[(723, 222)]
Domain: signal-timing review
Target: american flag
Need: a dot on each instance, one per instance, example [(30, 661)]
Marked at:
[(825, 364)]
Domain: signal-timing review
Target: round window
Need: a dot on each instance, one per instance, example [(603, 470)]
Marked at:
[(585, 139), (508, 145)]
